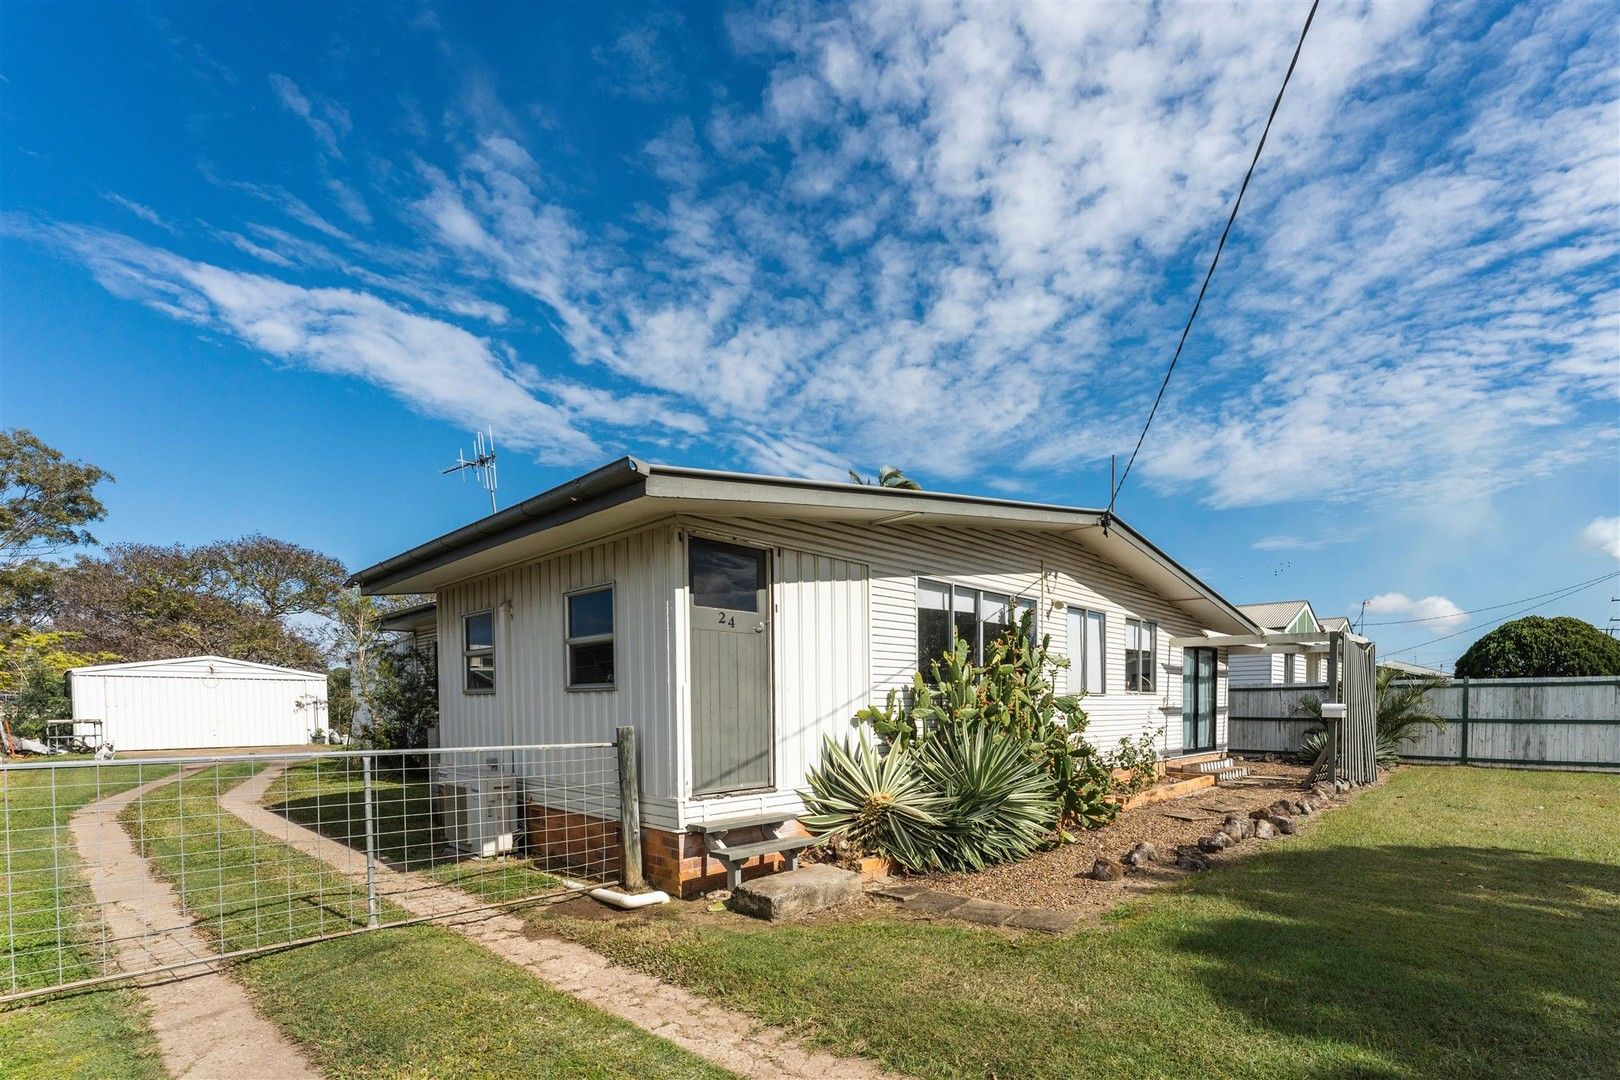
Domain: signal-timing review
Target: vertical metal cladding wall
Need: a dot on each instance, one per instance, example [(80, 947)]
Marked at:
[(1358, 759), (199, 703)]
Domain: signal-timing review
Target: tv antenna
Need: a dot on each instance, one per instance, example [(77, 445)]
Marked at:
[(482, 463)]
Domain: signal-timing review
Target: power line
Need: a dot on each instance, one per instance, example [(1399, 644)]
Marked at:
[(1494, 607), (1231, 218), (1479, 626)]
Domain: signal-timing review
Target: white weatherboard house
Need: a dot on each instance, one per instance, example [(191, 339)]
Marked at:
[(735, 620), (198, 702), (1284, 668)]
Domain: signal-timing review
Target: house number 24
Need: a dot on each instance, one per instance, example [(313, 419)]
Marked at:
[(727, 620)]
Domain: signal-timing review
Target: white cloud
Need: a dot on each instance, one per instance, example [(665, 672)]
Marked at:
[(1603, 536), (978, 228), (145, 213), (1438, 614), (326, 120), (434, 366)]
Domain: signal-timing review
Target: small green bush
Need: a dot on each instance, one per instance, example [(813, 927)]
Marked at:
[(1140, 758)]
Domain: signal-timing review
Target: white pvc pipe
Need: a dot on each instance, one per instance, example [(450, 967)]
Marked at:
[(629, 901)]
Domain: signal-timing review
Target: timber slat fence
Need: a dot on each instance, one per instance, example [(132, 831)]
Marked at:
[(1566, 723)]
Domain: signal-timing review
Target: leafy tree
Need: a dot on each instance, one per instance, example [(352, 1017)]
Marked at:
[(147, 602), (340, 700), (45, 503), (277, 577), (405, 699), (33, 672), (45, 500), (1536, 647), (888, 476)]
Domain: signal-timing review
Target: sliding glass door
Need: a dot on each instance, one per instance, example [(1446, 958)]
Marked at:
[(1197, 700)]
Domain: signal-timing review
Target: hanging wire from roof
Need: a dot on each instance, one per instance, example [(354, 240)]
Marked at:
[(1115, 489)]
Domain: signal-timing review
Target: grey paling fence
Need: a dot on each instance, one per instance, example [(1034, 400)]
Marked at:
[(1569, 723), (126, 868), (1266, 719)]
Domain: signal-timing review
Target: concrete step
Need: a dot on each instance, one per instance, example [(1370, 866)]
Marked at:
[(1217, 766), (1235, 773)]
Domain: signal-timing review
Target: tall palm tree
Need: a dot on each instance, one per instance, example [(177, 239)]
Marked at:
[(888, 476)]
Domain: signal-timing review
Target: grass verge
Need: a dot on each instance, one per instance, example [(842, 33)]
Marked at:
[(1454, 922), (416, 1001), (49, 935)]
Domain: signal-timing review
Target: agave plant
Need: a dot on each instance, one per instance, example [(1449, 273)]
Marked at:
[(881, 803), (1000, 804)]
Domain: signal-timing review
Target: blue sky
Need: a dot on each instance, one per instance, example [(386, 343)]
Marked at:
[(272, 264)]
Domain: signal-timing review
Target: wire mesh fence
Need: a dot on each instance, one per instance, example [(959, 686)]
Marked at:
[(128, 868)]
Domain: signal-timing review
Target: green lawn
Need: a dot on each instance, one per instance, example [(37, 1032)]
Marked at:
[(1454, 922), (418, 1001), (103, 1034)]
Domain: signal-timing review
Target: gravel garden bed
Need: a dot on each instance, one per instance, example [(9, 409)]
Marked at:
[(1060, 878)]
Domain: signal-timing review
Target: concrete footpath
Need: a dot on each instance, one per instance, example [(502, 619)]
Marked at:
[(729, 1039), (206, 1024)]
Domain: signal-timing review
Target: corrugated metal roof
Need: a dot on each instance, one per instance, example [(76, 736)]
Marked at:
[(1334, 622), (1274, 615)]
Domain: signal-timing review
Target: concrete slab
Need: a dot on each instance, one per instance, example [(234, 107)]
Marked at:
[(987, 912), (797, 892), (933, 902), (896, 890), (1047, 920)]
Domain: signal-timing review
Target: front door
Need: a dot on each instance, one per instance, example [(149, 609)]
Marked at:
[(731, 668), (1197, 700)]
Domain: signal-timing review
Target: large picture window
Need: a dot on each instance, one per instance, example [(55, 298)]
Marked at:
[(1088, 644), (947, 613), (1141, 646), (590, 639), (478, 653)]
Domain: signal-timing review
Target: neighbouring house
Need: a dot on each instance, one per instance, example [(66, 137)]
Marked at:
[(1284, 668), (196, 702), (736, 620)]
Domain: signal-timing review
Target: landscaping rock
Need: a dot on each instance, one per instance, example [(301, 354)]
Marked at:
[(796, 892), (1140, 854), (1282, 808), (1301, 807), (1283, 825), (1264, 830), (1238, 828), (1256, 815), (1105, 870), (1189, 858), (1214, 842)]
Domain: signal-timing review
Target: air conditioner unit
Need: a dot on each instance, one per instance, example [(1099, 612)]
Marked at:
[(477, 811)]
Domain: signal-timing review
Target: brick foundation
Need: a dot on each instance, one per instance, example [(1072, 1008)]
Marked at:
[(678, 863)]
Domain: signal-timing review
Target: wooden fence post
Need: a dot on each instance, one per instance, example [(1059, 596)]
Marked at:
[(1463, 741), (629, 812)]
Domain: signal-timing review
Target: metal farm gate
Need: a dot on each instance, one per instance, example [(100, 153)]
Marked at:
[(118, 869)]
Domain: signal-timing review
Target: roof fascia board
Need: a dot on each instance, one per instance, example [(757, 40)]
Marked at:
[(611, 485)]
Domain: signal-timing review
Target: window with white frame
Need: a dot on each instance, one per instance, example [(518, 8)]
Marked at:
[(1141, 646), (1088, 640), (478, 653), (947, 613), (590, 639)]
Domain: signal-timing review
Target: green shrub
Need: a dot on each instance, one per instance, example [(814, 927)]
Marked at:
[(1000, 805), (881, 803), (1403, 708), (1140, 758), (1537, 648)]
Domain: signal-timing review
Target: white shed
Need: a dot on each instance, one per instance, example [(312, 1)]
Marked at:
[(195, 702)]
